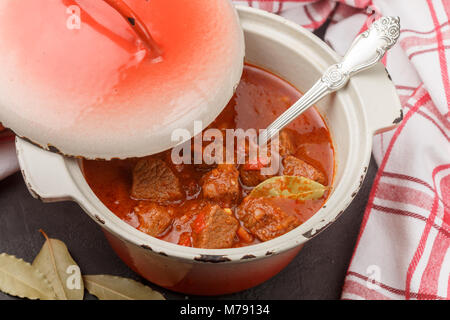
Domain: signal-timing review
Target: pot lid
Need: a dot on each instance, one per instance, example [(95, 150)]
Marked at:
[(77, 79)]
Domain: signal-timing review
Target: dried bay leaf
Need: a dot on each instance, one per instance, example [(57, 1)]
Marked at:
[(289, 187), (19, 278), (106, 287), (58, 266)]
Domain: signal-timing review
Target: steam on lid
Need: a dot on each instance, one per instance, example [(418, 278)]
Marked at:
[(93, 91)]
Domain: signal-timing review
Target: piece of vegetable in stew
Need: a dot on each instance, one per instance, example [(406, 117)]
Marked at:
[(226, 205)]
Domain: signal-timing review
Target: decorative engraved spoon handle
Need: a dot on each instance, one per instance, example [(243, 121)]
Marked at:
[(366, 51)]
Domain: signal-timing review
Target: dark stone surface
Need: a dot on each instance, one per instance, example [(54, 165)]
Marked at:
[(316, 273)]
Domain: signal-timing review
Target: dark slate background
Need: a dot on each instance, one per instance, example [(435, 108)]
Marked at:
[(318, 271)]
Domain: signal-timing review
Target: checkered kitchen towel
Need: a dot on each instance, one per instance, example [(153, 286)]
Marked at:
[(403, 248)]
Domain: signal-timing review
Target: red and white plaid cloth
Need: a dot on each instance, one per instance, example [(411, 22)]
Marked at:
[(403, 247)]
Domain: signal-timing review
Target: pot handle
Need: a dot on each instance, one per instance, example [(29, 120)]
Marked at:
[(381, 101), (44, 172)]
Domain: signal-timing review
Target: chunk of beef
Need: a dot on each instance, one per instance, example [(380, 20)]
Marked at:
[(214, 228), (251, 172), (154, 180), (296, 167), (287, 146), (264, 219), (251, 178), (221, 184), (154, 219)]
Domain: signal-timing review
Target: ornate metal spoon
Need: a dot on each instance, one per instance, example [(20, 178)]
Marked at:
[(366, 51)]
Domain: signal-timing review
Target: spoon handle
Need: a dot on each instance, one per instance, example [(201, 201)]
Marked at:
[(365, 52)]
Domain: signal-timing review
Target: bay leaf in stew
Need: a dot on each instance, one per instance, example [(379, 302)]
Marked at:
[(289, 187)]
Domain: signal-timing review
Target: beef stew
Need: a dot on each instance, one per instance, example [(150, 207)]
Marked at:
[(208, 205)]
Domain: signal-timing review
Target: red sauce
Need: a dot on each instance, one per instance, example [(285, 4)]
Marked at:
[(259, 99)]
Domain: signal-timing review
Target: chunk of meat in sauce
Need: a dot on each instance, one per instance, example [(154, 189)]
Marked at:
[(250, 172), (265, 220), (296, 167), (287, 145), (154, 219), (221, 184), (251, 177), (214, 228), (154, 180)]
